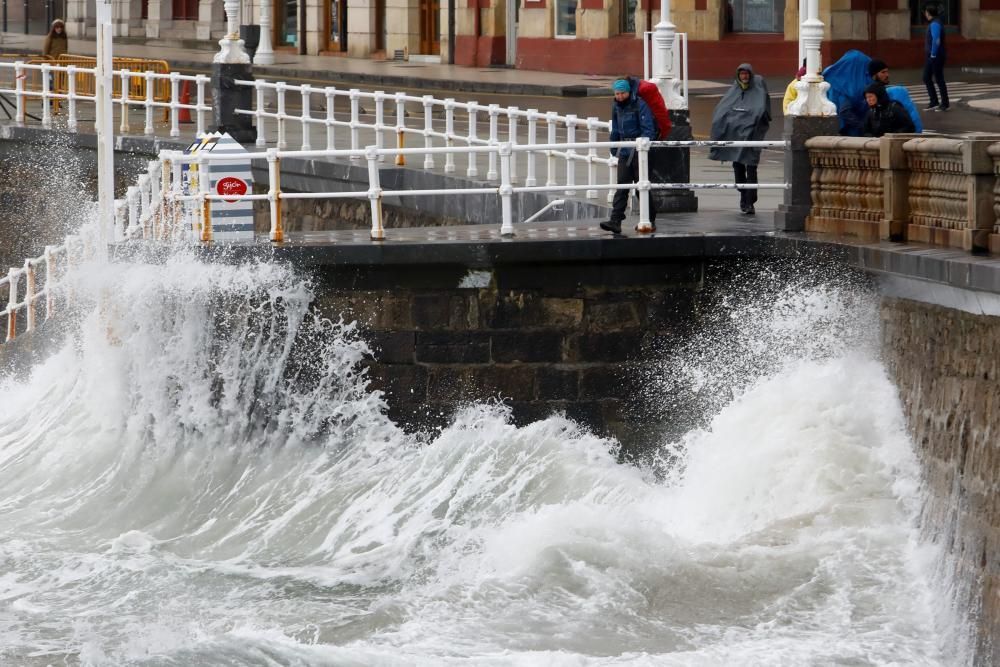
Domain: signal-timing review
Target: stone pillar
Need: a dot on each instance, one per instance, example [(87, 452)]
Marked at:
[(158, 17), (978, 164), (896, 186), (792, 212), (673, 165)]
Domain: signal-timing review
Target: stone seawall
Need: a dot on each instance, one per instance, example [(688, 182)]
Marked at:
[(946, 364)]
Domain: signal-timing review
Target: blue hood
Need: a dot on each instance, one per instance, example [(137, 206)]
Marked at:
[(848, 78)]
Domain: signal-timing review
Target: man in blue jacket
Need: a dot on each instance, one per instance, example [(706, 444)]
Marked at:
[(630, 119), (935, 53)]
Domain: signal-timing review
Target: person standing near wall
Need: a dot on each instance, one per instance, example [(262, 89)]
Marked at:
[(631, 118), (935, 52), (56, 42), (743, 114)]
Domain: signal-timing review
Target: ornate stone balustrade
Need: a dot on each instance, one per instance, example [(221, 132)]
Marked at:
[(994, 153), (932, 189), (951, 191), (847, 186)]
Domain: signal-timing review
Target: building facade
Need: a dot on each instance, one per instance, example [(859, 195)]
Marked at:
[(574, 36)]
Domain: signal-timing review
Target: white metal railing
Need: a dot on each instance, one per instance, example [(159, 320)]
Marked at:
[(46, 97), (39, 280), (436, 125), (161, 206)]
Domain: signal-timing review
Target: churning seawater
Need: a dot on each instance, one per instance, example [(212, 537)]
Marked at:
[(199, 476)]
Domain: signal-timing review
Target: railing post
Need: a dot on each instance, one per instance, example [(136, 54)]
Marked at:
[(176, 190), (551, 118), (506, 191), (380, 122), (46, 91), (642, 145), (571, 121), (144, 204), (149, 131), (428, 129), (375, 194), (121, 211), (530, 179), (279, 90), (330, 92), (306, 117), (259, 111), (491, 169), (204, 187), (71, 93), (50, 276), (592, 123), (29, 294), (472, 171), (512, 138), (277, 234), (612, 177), (124, 127), (400, 128), (19, 92), (449, 131), (200, 82), (355, 121), (175, 113), (132, 198), (12, 276)]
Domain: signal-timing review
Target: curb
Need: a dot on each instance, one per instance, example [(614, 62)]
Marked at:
[(976, 109)]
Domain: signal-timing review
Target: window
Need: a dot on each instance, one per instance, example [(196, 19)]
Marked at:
[(626, 23), (949, 12), (758, 16), (565, 18)]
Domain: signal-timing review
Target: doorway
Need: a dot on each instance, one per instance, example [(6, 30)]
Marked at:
[(430, 27), (286, 23), (336, 25), (380, 25), (185, 10)]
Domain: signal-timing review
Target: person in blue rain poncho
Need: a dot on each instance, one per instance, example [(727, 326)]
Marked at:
[(848, 78)]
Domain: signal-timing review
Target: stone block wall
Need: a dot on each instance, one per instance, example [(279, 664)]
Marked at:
[(946, 363), (543, 338), (847, 187)]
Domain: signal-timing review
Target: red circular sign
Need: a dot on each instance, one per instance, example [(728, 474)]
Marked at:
[(230, 186)]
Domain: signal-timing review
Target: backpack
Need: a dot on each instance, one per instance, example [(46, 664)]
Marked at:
[(650, 94)]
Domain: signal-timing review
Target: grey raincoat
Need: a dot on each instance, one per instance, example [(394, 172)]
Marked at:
[(741, 115)]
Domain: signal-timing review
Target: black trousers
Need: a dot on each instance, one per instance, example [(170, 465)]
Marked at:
[(628, 172), (746, 173), (934, 72)]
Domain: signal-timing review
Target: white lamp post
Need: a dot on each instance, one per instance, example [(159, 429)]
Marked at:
[(232, 51), (104, 126), (265, 52), (811, 99), (664, 65)]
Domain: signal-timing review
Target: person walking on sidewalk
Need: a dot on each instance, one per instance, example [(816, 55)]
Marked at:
[(56, 42), (631, 118), (743, 114), (935, 52)]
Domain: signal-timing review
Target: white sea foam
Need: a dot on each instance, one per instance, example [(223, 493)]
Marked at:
[(200, 477)]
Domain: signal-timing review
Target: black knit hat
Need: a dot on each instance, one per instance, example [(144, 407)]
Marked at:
[(876, 66)]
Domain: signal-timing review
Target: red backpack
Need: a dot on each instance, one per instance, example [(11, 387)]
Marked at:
[(650, 94)]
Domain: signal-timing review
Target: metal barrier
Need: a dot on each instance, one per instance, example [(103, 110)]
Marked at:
[(57, 82), (161, 208), (50, 269)]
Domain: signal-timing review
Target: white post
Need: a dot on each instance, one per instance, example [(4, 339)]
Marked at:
[(449, 131), (530, 179), (472, 171), (258, 85), (265, 52), (664, 67), (491, 169), (374, 194), (231, 49), (812, 99), (506, 191), (642, 146), (428, 130), (104, 124), (305, 119)]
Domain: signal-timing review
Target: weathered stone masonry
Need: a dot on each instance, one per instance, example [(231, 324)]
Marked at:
[(946, 364)]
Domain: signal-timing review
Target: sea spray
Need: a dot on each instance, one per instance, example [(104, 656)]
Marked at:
[(200, 476)]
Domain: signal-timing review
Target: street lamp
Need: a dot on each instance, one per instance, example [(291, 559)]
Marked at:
[(811, 99), (265, 52), (232, 51), (664, 64)]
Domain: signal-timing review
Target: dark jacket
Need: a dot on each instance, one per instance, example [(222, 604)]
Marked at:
[(743, 114), (631, 119), (887, 115)]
